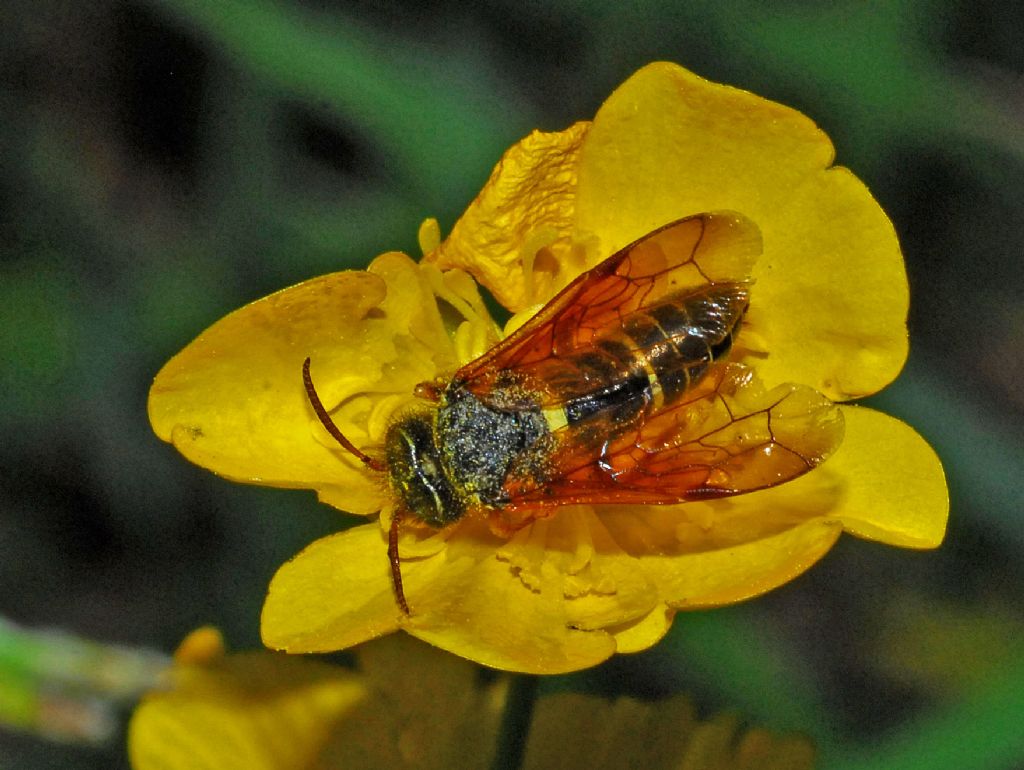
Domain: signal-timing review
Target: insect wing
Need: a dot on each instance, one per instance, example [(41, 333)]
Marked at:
[(682, 256), (728, 436)]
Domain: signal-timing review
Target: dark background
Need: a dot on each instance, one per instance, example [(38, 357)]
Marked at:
[(165, 162)]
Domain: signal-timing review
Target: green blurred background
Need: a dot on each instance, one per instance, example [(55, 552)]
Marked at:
[(164, 162)]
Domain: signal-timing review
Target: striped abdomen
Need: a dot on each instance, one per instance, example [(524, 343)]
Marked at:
[(657, 355)]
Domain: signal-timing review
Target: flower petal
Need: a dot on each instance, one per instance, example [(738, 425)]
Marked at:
[(468, 601), (644, 633), (728, 575), (528, 196), (830, 294), (465, 596), (233, 400), (895, 489), (250, 711), (334, 594), (202, 647)]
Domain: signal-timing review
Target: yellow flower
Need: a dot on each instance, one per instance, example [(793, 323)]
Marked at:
[(406, 704), (828, 309)]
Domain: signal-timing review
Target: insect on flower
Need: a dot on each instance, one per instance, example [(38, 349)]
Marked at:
[(618, 391)]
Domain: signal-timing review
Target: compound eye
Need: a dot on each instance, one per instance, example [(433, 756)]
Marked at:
[(418, 474)]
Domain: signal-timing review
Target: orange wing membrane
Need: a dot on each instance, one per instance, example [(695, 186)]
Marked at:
[(726, 437)]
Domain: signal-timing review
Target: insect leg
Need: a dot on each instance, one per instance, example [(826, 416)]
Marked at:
[(396, 565), (429, 391)]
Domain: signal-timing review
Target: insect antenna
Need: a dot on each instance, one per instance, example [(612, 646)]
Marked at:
[(396, 565), (328, 423)]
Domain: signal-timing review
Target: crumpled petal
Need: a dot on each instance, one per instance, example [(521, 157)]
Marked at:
[(526, 206), (830, 293)]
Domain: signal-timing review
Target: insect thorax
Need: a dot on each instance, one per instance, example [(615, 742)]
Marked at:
[(445, 461)]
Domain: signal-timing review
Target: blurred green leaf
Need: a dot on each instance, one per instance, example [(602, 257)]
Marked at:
[(736, 654), (37, 337), (399, 92), (981, 732), (947, 648), (881, 63)]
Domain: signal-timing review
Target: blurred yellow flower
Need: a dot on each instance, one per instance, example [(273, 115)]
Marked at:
[(570, 731), (407, 705), (404, 705), (828, 309)]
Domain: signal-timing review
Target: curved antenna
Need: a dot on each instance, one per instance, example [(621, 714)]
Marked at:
[(328, 423), (396, 565)]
